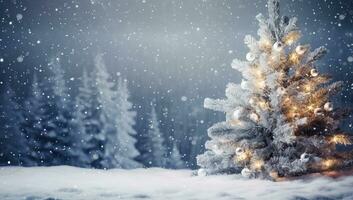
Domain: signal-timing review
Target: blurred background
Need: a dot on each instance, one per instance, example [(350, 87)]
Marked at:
[(172, 54)]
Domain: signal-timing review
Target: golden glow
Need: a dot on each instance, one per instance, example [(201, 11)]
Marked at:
[(245, 156), (311, 107), (257, 72), (265, 43), (328, 163), (287, 99), (307, 87), (263, 105), (274, 174), (236, 122), (341, 139), (291, 37), (257, 164), (294, 58), (260, 84)]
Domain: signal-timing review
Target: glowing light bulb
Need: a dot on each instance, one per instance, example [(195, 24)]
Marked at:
[(257, 164), (294, 58), (328, 163)]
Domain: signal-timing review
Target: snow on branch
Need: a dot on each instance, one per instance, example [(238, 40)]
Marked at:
[(317, 54)]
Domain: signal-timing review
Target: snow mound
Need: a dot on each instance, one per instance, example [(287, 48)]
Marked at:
[(65, 182)]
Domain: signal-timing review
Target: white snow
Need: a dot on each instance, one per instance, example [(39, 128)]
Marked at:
[(65, 182)]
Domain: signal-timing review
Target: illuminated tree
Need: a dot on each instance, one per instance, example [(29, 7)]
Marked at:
[(279, 119)]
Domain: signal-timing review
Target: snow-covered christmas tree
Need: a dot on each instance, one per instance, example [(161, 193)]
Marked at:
[(175, 159), (117, 118), (64, 139), (126, 151), (88, 125), (154, 152), (279, 119), (13, 146)]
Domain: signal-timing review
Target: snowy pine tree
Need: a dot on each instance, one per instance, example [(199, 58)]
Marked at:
[(126, 151), (108, 113), (153, 152), (38, 122), (13, 144), (279, 121), (175, 159), (88, 125), (65, 148)]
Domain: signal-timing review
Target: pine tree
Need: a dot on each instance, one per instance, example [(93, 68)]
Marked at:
[(108, 113), (66, 147), (175, 160), (279, 120), (13, 146), (126, 151), (38, 124), (154, 152), (88, 126)]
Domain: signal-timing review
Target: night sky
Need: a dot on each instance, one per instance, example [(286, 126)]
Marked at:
[(175, 51)]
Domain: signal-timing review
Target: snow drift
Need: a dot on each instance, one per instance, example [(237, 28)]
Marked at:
[(65, 182)]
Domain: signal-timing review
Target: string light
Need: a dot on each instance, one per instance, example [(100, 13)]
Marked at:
[(244, 156), (294, 58), (265, 43), (307, 87), (341, 139), (311, 107), (257, 164), (263, 105), (291, 37), (328, 163)]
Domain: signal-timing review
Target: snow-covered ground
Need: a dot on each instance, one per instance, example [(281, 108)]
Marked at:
[(75, 183)]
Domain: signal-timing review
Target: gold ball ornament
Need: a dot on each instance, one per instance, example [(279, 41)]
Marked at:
[(250, 57), (328, 106), (314, 72), (300, 50)]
